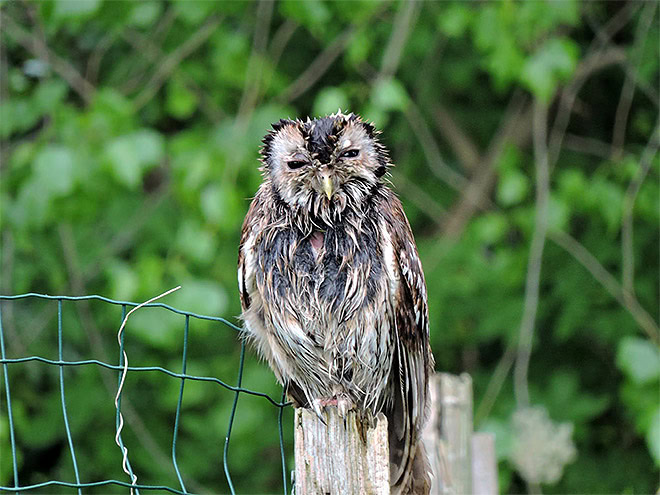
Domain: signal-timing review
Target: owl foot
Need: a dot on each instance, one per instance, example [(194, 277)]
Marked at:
[(344, 404), (342, 401)]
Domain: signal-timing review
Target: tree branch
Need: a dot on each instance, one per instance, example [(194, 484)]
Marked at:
[(254, 68), (593, 266), (533, 281), (627, 252), (404, 21), (149, 51), (165, 69), (436, 163), (630, 82), (319, 66), (515, 128), (463, 147), (39, 49)]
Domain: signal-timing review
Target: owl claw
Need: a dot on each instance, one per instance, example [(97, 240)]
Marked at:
[(341, 401), (344, 404), (317, 407)]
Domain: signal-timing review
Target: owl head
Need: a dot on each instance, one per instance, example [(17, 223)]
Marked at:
[(323, 165)]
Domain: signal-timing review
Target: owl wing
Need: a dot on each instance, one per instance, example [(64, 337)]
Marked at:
[(413, 360), (244, 256)]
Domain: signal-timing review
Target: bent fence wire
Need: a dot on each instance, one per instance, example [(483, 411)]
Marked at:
[(121, 368)]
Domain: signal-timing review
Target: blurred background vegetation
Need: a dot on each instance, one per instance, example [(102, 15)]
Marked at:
[(525, 141)]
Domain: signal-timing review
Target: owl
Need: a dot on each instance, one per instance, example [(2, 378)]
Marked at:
[(331, 285)]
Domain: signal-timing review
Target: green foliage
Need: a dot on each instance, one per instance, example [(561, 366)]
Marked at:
[(130, 152)]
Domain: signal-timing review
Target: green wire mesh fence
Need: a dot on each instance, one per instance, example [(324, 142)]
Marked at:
[(122, 369)]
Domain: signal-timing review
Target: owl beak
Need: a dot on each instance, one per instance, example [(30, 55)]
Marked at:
[(327, 186)]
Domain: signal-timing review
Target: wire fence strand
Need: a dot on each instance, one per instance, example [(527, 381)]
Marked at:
[(122, 369)]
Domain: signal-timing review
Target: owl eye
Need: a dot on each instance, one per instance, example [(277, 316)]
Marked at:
[(350, 153), (294, 164)]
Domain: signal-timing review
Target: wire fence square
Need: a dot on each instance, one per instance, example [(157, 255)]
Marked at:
[(125, 376)]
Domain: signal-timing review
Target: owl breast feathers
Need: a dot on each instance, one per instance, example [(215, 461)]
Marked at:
[(331, 285)]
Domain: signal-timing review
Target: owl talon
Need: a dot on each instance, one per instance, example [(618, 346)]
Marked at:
[(317, 407), (344, 404), (341, 401)]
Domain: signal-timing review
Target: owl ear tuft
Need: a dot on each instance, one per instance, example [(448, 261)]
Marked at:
[(270, 135), (369, 128), (282, 123)]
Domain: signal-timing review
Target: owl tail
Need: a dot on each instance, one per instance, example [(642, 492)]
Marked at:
[(409, 467)]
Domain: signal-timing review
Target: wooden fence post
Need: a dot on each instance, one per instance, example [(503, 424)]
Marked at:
[(342, 456), (461, 462), (351, 455)]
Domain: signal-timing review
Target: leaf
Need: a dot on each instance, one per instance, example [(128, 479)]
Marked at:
[(653, 437), (156, 327), (389, 95), (122, 280), (607, 198), (558, 213), (180, 102), (639, 359), (206, 297), (553, 63), (144, 14), (72, 9), (54, 170), (16, 115), (195, 243), (195, 11), (49, 94), (454, 20), (131, 155), (311, 13), (512, 188), (329, 100)]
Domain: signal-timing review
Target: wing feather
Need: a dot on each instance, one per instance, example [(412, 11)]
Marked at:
[(414, 361)]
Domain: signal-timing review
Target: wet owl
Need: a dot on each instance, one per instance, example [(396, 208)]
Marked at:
[(331, 285)]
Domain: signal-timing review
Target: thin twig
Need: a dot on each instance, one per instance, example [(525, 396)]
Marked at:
[(431, 150), (465, 150), (613, 25), (420, 197), (587, 146), (592, 63), (496, 383), (515, 128), (278, 43), (254, 70), (606, 32), (608, 281), (94, 60), (39, 49), (149, 51), (319, 66), (123, 448), (404, 21), (123, 238), (167, 67), (533, 282), (627, 252), (630, 82)]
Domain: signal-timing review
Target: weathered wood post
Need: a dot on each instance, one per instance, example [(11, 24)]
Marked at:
[(462, 462), (342, 456)]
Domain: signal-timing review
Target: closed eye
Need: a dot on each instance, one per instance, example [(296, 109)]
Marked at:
[(294, 164), (350, 153)]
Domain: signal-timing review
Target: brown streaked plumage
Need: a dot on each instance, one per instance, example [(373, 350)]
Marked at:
[(331, 285)]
